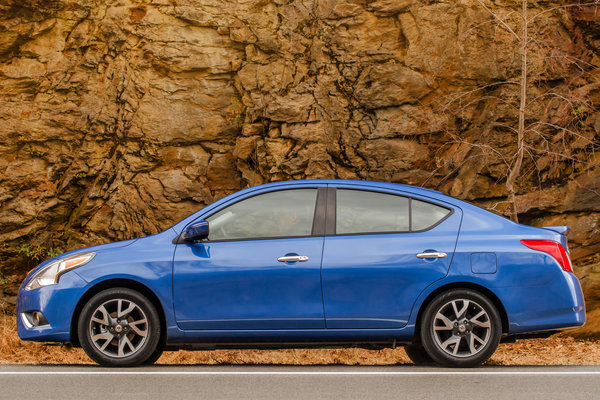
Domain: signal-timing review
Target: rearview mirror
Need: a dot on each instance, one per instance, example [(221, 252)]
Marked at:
[(196, 231)]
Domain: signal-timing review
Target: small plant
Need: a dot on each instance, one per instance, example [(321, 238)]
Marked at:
[(578, 111), (38, 253), (234, 116), (21, 139), (36, 153), (34, 253), (80, 175), (235, 113), (53, 252)]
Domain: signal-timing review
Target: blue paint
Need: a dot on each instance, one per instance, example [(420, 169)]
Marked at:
[(484, 263), (241, 285), (363, 287)]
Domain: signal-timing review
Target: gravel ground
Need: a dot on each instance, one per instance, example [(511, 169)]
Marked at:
[(551, 351)]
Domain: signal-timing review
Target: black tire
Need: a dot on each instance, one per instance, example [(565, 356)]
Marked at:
[(418, 355), (136, 343), (154, 356), (471, 339)]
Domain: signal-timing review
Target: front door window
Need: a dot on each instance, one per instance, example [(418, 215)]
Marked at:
[(285, 213)]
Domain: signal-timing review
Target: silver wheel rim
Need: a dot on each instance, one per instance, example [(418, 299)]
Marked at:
[(462, 328), (118, 328)]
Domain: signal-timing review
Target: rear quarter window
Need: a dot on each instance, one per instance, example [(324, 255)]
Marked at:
[(425, 215)]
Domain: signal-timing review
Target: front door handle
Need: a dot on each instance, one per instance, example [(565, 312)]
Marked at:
[(292, 258), (433, 254)]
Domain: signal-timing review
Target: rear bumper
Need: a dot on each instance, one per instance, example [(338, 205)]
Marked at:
[(558, 305), (57, 303)]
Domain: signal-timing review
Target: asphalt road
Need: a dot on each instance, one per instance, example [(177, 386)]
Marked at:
[(252, 382)]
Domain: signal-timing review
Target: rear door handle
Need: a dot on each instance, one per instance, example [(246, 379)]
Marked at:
[(433, 254), (292, 258)]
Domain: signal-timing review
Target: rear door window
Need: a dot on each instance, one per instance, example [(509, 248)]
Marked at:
[(361, 211)]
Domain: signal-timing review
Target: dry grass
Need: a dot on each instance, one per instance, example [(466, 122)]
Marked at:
[(551, 351)]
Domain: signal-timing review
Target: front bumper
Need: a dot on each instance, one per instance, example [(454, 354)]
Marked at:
[(57, 303)]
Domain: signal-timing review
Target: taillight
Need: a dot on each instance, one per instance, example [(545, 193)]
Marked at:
[(556, 250)]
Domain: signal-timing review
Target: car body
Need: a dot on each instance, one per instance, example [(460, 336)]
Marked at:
[(364, 262)]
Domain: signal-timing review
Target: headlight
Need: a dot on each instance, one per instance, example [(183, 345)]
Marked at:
[(50, 274)]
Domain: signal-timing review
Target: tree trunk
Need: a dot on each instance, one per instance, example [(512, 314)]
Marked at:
[(515, 169)]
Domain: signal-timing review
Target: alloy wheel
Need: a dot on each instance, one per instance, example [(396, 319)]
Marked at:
[(462, 328), (118, 328)]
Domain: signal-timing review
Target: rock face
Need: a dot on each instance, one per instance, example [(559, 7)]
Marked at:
[(118, 118)]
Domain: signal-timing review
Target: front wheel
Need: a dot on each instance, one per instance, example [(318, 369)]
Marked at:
[(119, 328), (461, 328)]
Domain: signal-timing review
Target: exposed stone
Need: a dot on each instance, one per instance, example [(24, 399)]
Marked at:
[(365, 36), (245, 146), (242, 34), (292, 108), (408, 120), (222, 173), (119, 118), (305, 132), (387, 156), (389, 85), (389, 7)]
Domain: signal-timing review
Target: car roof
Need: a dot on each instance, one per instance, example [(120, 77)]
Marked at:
[(389, 185)]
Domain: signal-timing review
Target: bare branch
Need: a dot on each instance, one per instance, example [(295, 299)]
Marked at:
[(550, 94), (497, 124), (451, 172), (562, 128), (595, 3), (500, 20), (474, 145), (482, 146), (568, 101), (485, 22), (478, 99), (533, 167), (544, 151), (575, 61), (466, 93), (541, 135), (488, 147), (496, 204)]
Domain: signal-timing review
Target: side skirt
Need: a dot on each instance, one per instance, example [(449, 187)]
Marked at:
[(286, 345)]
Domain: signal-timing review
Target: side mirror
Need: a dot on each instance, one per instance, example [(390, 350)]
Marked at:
[(196, 231)]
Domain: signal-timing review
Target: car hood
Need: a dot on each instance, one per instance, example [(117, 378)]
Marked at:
[(100, 247), (95, 249)]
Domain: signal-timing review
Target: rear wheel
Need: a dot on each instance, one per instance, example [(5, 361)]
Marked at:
[(461, 328), (418, 355), (119, 328)]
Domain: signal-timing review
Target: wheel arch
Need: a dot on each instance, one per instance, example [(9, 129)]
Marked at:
[(116, 283), (462, 285)]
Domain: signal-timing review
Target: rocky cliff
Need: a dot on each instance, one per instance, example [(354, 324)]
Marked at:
[(118, 118)]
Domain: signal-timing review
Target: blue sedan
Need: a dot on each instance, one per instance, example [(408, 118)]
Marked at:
[(318, 263)]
